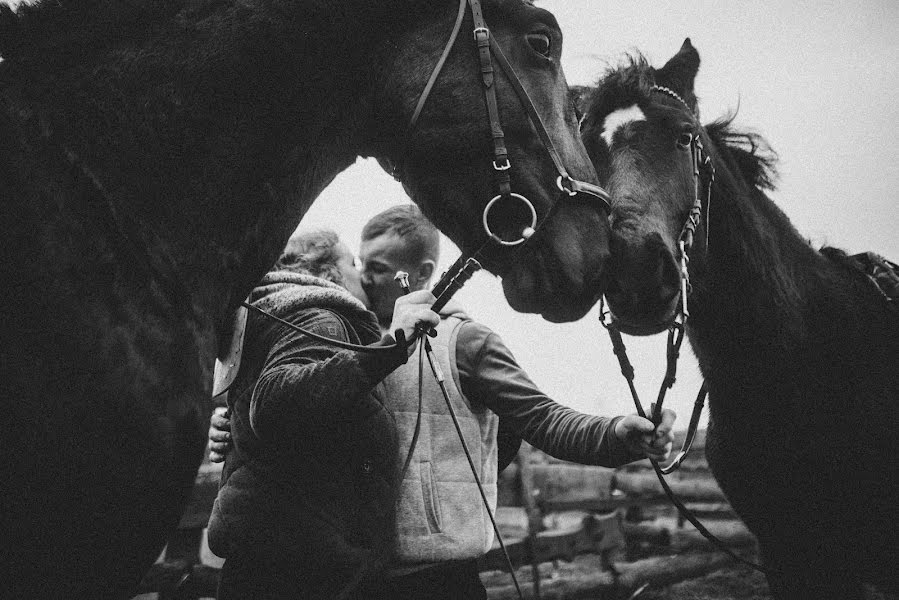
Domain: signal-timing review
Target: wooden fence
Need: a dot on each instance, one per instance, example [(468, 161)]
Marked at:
[(549, 510)]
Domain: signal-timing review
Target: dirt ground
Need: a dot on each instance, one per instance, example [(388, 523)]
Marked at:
[(729, 583)]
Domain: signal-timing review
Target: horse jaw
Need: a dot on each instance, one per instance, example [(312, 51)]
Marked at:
[(643, 288), (531, 287)]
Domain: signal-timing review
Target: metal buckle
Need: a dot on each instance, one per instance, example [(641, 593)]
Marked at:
[(605, 313), (562, 187), (481, 31), (504, 167), (684, 280)]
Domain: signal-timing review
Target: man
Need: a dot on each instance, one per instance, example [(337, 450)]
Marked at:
[(442, 526)]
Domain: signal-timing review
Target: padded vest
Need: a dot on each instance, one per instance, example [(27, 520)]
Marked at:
[(440, 513)]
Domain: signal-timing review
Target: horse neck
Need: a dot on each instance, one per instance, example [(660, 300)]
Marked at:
[(224, 150), (749, 297)]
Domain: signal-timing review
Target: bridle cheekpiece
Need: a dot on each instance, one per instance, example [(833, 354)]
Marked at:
[(488, 51)]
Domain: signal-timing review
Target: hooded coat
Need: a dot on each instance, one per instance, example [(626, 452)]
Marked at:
[(311, 482)]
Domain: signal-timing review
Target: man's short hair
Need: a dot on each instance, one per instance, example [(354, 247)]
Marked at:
[(312, 253), (408, 223)]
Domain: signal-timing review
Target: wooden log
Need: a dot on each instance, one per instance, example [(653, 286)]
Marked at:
[(647, 533), (564, 482), (687, 488), (664, 535), (591, 534), (585, 580)]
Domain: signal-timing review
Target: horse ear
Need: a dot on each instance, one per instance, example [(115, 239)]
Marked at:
[(679, 73), (579, 95)]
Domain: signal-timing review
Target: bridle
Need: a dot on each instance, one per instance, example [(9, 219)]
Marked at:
[(699, 160), (488, 50), (677, 327)]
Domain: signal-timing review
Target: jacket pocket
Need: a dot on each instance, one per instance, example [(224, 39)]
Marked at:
[(430, 497)]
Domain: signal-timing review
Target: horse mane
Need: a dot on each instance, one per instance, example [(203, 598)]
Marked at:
[(749, 152)]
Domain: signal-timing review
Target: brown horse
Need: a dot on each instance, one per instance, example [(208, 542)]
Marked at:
[(800, 352), (155, 158)]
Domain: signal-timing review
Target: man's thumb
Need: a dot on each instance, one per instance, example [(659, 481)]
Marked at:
[(641, 424)]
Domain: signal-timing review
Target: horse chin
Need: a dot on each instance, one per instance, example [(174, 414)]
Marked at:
[(527, 292)]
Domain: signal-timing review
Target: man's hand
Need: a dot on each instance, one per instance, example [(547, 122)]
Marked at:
[(219, 435), (413, 310), (637, 433)]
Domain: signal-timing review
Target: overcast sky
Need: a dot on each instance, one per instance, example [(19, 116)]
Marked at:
[(817, 79)]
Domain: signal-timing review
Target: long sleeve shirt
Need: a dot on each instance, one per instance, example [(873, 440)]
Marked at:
[(489, 374)]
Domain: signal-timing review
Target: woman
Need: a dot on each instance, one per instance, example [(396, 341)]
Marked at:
[(305, 508)]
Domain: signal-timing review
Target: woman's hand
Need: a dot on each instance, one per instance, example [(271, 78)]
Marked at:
[(219, 435)]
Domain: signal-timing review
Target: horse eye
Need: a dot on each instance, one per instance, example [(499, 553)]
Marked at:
[(540, 42), (684, 140)]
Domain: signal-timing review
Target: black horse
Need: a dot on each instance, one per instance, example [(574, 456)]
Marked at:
[(800, 350), (154, 158)]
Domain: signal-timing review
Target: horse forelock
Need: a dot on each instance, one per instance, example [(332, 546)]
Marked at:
[(620, 87)]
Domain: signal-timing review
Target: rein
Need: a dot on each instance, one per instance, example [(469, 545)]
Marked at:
[(676, 331)]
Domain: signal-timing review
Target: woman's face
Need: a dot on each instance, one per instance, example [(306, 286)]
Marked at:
[(352, 278)]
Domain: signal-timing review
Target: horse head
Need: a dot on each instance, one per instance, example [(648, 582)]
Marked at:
[(451, 151), (642, 131)]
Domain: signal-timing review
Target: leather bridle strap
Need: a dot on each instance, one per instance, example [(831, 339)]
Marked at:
[(436, 72), (566, 182), (628, 371), (487, 45), (484, 42)]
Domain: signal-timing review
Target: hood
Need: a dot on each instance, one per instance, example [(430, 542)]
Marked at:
[(283, 291)]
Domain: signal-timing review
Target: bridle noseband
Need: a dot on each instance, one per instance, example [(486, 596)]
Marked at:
[(488, 50)]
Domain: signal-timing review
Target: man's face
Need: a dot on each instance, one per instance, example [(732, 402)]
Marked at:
[(381, 258)]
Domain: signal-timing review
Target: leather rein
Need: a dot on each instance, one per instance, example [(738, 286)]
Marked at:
[(676, 331)]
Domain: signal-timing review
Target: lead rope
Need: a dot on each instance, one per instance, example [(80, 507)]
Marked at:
[(628, 371)]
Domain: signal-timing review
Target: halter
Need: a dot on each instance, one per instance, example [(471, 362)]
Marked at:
[(488, 49), (676, 330)]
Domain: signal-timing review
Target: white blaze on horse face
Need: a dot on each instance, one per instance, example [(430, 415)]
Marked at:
[(618, 119)]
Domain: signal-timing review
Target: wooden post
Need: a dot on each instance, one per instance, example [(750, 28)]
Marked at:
[(529, 499)]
